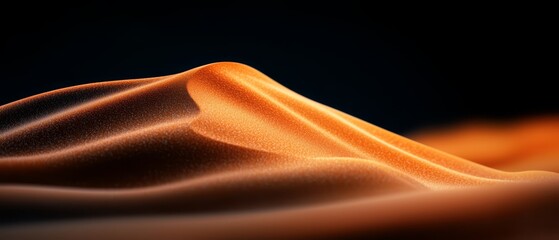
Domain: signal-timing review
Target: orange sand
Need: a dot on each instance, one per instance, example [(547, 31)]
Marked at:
[(223, 151), (530, 144)]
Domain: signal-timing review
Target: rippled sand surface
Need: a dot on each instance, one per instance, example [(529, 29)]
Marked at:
[(224, 152)]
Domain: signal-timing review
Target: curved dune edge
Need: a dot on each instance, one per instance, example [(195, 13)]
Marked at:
[(225, 141), (521, 211)]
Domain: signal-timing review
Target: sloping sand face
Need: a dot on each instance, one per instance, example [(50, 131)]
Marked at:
[(223, 151)]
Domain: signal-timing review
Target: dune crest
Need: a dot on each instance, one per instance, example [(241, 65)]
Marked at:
[(219, 139)]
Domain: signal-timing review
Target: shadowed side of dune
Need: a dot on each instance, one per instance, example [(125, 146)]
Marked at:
[(509, 212)]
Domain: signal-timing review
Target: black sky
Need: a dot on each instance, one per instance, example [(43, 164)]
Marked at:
[(399, 67)]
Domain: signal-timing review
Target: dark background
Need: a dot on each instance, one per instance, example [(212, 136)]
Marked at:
[(400, 67)]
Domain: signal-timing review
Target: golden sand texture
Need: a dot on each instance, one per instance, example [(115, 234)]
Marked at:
[(223, 151)]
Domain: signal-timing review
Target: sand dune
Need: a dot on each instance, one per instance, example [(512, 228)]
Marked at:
[(223, 151), (526, 144)]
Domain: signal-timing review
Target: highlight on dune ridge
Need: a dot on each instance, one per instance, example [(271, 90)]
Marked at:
[(223, 151)]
